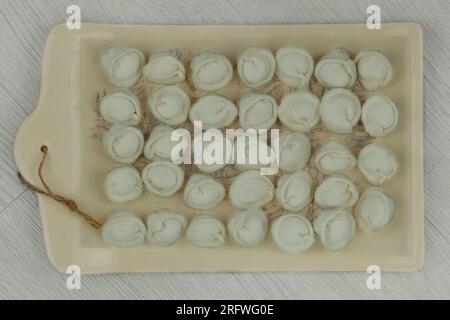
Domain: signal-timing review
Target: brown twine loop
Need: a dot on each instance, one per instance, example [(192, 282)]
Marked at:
[(69, 203)]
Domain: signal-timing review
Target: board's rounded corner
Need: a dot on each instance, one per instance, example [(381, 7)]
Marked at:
[(416, 28), (56, 262), (417, 263), (60, 27)]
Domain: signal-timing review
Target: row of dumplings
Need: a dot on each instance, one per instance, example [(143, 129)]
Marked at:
[(256, 66), (125, 144), (339, 110), (249, 189), (291, 232), (376, 162)]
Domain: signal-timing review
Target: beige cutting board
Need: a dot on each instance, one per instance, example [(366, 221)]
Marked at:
[(67, 122)]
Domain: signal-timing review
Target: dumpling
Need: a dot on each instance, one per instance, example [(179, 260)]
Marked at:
[(121, 107), (295, 66), (165, 68), (334, 157), (123, 229), (251, 154), (256, 66), (377, 163), (203, 192), (336, 191), (122, 65), (336, 70), (206, 231), (124, 144), (248, 228), (336, 228), (292, 232), (294, 150), (214, 111), (123, 184), (374, 210), (257, 111), (299, 111), (294, 190), (165, 227), (211, 71), (170, 105), (159, 145), (250, 189), (162, 178), (374, 69), (340, 110), (379, 116), (209, 155)]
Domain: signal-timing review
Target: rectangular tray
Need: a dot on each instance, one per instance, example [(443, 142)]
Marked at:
[(65, 117)]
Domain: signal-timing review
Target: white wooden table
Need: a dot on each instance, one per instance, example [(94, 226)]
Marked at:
[(24, 268)]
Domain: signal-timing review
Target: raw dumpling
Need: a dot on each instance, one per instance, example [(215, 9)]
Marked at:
[(334, 157), (294, 190), (203, 192), (121, 107), (294, 66), (336, 191), (340, 110), (299, 111), (162, 178), (165, 68), (124, 144), (257, 111), (336, 70), (209, 156), (122, 65), (292, 232), (206, 231), (123, 229), (248, 228), (211, 71), (214, 111), (377, 163), (170, 105), (165, 227), (374, 69), (248, 154), (379, 116), (374, 210), (256, 66), (294, 150), (123, 184), (250, 189), (336, 228), (159, 145)]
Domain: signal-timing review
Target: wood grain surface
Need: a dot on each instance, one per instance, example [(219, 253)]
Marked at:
[(24, 268)]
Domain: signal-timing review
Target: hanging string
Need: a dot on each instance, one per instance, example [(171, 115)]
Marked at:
[(69, 203)]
